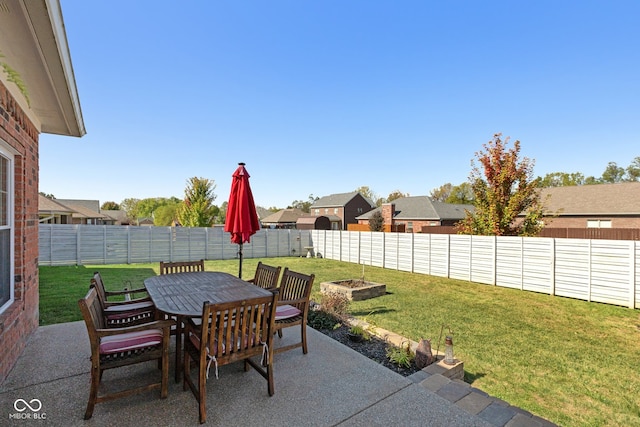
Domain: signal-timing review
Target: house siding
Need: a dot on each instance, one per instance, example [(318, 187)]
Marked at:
[(581, 221), (20, 319)]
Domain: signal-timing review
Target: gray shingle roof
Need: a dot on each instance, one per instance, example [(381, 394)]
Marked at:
[(335, 200), (423, 208)]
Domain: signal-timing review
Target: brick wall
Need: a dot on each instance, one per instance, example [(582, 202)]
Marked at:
[(19, 320)]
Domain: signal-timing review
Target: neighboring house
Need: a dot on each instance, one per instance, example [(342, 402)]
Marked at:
[(416, 213), (117, 217), (52, 212), (341, 209), (284, 218), (593, 206), (34, 44), (86, 211)]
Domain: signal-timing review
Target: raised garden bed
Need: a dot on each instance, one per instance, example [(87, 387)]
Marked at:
[(354, 289)]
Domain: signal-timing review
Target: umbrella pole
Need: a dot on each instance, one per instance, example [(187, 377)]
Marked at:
[(240, 254)]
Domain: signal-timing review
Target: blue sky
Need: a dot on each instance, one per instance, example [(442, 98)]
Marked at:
[(324, 96)]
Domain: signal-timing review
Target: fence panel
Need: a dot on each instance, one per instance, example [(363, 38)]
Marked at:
[(405, 251), (538, 270), (509, 262), (460, 257), (611, 269), (365, 248), (391, 250), (573, 269), (483, 259), (422, 253), (440, 255), (377, 248)]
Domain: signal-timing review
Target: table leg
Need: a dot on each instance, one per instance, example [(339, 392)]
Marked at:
[(179, 348)]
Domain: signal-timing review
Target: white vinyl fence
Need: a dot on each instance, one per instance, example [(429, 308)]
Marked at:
[(61, 244), (606, 271)]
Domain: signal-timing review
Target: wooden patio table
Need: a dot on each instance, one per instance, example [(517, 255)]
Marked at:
[(182, 295)]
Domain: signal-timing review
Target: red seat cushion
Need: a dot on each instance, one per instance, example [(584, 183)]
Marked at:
[(286, 312), (130, 341)]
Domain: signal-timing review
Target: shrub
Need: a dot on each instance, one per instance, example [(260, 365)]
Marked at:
[(401, 356)]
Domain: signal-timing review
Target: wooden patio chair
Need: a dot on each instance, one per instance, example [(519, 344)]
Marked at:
[(293, 306), (181, 267), (229, 332), (123, 313), (266, 276), (116, 347)]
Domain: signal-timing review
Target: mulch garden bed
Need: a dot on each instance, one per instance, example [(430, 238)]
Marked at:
[(374, 348)]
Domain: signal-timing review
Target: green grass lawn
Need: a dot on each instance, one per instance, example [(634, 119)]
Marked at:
[(572, 362)]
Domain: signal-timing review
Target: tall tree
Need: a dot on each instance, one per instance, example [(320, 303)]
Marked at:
[(304, 206), (130, 206), (461, 194), (441, 193), (633, 170), (376, 221), (197, 209), (368, 193), (503, 189), (395, 195), (613, 173), (110, 206), (562, 179)]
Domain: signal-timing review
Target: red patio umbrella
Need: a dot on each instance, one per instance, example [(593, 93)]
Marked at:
[(242, 218)]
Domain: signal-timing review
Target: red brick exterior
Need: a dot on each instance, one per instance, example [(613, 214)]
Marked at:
[(20, 319)]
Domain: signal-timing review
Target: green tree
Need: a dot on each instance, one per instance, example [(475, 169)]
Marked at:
[(110, 206), (633, 170), (613, 173), (441, 193), (376, 221), (461, 194), (197, 209), (304, 206), (503, 189), (164, 215), (562, 179), (130, 206), (395, 195)]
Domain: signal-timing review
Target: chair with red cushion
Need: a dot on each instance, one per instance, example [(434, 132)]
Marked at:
[(116, 347), (123, 313), (293, 306), (229, 332)]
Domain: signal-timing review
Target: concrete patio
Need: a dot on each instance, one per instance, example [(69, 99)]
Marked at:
[(331, 386)]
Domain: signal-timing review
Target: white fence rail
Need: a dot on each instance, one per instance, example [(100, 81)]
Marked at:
[(61, 244), (606, 271)]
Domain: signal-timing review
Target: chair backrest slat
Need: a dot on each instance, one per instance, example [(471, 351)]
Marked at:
[(92, 313), (181, 267), (237, 330), (295, 285), (266, 276)]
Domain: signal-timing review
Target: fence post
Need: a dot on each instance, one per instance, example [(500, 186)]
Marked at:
[(632, 275)]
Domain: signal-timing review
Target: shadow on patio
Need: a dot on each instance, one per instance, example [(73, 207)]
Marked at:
[(332, 385)]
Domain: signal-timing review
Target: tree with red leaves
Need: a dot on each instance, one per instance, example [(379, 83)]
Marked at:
[(503, 190)]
